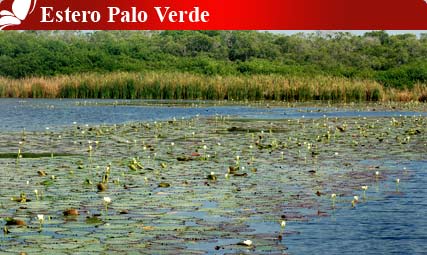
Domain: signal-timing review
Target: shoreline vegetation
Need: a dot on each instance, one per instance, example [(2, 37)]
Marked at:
[(217, 65), (178, 85)]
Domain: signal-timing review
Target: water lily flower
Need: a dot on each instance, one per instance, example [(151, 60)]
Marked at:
[(107, 200), (247, 242), (283, 224), (37, 194), (333, 197), (397, 181), (172, 144), (356, 198), (364, 188), (40, 217)]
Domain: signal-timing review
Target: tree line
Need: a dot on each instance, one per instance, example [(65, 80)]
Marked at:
[(398, 61)]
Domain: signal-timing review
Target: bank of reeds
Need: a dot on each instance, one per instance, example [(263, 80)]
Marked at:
[(158, 85)]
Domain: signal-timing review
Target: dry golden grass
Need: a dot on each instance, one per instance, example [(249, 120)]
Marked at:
[(160, 85)]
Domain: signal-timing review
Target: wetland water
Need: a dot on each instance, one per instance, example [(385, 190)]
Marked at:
[(287, 162)]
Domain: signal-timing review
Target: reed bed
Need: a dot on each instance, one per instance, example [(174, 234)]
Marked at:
[(159, 85)]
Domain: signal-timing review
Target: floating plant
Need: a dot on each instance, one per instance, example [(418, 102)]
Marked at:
[(178, 202)]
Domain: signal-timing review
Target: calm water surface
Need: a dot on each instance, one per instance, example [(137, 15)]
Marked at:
[(37, 114), (393, 223)]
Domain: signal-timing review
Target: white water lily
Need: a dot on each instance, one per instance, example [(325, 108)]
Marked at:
[(356, 198), (107, 200), (397, 181), (377, 173), (333, 197), (247, 242), (40, 217), (364, 188), (283, 224)]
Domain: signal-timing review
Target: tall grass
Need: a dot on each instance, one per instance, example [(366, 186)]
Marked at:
[(159, 85)]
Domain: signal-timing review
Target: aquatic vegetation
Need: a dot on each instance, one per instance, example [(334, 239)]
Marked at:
[(36, 192), (40, 218), (397, 184), (14, 222), (247, 242), (333, 198), (283, 224), (21, 199), (71, 212), (180, 85), (212, 176), (107, 201), (364, 188), (171, 200)]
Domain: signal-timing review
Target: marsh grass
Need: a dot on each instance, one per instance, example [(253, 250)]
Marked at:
[(170, 85)]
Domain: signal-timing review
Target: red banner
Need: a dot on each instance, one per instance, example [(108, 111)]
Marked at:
[(213, 14)]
